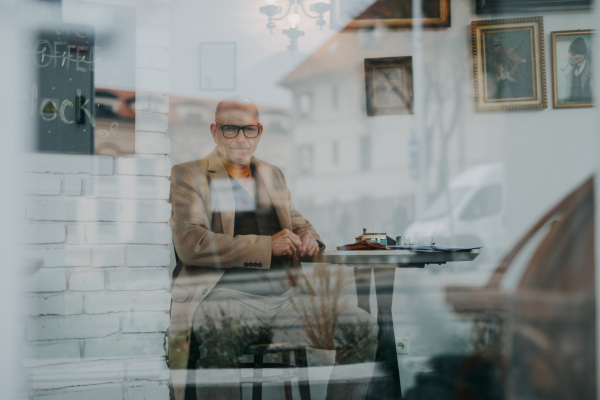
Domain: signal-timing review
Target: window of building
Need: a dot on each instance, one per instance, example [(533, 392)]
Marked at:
[(305, 105), (305, 157), (365, 153), (335, 97), (335, 152)]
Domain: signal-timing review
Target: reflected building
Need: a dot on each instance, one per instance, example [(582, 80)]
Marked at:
[(352, 171)]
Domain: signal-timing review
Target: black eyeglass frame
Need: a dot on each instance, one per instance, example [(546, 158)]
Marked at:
[(240, 128)]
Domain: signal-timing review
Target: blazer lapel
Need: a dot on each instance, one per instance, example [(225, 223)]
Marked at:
[(222, 200), (275, 188)]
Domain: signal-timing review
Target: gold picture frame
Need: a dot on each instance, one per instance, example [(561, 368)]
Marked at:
[(385, 13), (509, 64), (562, 81)]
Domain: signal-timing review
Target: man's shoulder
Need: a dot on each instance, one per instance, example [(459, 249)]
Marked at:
[(193, 165), (260, 164)]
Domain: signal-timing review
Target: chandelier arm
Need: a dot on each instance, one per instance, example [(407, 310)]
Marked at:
[(284, 15), (306, 13)]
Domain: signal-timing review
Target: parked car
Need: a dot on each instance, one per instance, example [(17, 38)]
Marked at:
[(469, 213)]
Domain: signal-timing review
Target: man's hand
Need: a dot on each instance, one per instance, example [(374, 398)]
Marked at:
[(285, 243), (310, 246)]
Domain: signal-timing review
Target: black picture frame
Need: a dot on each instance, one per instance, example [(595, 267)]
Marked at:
[(512, 6), (389, 85)]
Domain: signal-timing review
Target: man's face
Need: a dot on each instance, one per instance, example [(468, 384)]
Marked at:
[(496, 49), (238, 150), (576, 59)]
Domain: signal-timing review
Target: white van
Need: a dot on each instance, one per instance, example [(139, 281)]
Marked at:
[(476, 200)]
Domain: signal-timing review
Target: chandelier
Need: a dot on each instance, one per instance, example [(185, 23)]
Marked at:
[(274, 13)]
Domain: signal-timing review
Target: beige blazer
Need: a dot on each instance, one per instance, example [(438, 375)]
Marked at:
[(202, 220)]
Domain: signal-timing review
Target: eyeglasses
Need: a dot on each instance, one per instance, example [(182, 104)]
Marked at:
[(231, 131)]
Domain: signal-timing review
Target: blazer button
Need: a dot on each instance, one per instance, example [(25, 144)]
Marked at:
[(204, 291)]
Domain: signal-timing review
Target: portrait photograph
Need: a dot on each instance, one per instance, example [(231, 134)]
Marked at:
[(572, 75), (508, 64), (389, 85), (357, 14)]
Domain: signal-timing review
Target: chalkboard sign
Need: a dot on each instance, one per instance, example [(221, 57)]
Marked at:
[(62, 99)]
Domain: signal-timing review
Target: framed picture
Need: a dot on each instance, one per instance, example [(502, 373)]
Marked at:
[(218, 66), (508, 64), (389, 85), (572, 73), (512, 6), (359, 14)]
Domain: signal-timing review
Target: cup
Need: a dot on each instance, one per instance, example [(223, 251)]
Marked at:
[(422, 239), (402, 241)]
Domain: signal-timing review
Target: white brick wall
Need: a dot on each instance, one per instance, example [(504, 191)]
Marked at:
[(98, 310)]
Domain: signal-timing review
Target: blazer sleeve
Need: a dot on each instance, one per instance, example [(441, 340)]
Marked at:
[(196, 244), (299, 224)]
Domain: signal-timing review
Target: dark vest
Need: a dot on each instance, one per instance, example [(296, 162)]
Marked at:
[(253, 219)]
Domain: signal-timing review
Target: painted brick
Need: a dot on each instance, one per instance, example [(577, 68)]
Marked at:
[(151, 370), (141, 98), (152, 143), (91, 393), (126, 346), (148, 392), (78, 374), (128, 233), (151, 122), (67, 164), (139, 279), (161, 59), (131, 187), (40, 184), (145, 322), (42, 233), (153, 15), (73, 209), (72, 327), (86, 281), (98, 303), (147, 35), (108, 256), (145, 211), (50, 353), (158, 102), (53, 281), (153, 165), (76, 234), (55, 304), (148, 256), (73, 186), (62, 257), (151, 80), (143, 58)]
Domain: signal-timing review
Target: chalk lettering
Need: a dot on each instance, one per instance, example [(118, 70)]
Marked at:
[(65, 104), (77, 67), (69, 47), (56, 44), (48, 107), (81, 107), (49, 46)]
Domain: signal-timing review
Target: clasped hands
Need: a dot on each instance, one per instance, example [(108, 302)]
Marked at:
[(287, 243)]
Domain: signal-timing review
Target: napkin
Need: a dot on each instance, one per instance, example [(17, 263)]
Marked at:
[(362, 245)]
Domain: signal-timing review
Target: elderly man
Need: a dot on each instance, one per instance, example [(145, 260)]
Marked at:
[(579, 77), (238, 280)]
